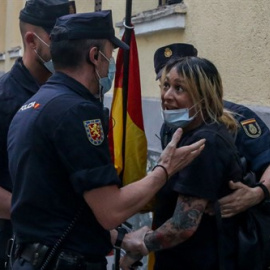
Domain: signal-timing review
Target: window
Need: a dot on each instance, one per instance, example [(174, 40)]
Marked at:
[(98, 5), (162, 18), (168, 2)]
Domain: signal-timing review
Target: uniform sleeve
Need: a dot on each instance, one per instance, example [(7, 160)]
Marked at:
[(82, 147), (253, 139)]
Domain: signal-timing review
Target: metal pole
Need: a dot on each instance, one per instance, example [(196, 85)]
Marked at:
[(125, 77), (125, 99)]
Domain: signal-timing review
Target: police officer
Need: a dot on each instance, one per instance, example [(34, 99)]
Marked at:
[(29, 72), (252, 140), (66, 196)]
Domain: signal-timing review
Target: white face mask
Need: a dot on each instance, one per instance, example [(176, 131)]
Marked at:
[(47, 64), (105, 83), (177, 118)]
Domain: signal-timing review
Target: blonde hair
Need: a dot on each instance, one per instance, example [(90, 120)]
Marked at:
[(204, 85)]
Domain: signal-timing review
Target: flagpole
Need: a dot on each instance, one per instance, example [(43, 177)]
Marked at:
[(128, 27), (127, 38)]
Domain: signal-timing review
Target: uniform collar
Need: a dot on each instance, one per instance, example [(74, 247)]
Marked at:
[(24, 77), (72, 84)]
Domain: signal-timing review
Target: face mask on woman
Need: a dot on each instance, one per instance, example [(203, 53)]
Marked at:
[(177, 118)]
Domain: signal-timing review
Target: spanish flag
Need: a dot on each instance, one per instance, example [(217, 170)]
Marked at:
[(128, 144)]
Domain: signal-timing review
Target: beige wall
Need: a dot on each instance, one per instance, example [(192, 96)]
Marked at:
[(10, 36), (3, 14), (232, 34), (235, 36)]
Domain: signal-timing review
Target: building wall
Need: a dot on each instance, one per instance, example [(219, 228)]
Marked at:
[(3, 14), (232, 34), (235, 36), (10, 34)]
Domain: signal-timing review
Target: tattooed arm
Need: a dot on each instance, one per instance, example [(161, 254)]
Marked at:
[(181, 226)]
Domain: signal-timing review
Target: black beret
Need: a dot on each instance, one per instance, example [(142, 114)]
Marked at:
[(93, 25), (176, 50), (44, 13)]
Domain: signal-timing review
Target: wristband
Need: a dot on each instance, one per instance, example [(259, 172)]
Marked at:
[(120, 236), (164, 169), (264, 189)]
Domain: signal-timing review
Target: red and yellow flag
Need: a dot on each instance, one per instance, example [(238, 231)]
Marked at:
[(133, 166)]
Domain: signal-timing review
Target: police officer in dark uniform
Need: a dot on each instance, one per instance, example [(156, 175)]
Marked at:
[(66, 196), (252, 140), (37, 19)]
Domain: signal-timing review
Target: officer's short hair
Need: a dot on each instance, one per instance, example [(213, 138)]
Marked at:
[(71, 53)]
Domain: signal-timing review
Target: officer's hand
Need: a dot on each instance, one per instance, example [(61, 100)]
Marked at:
[(174, 159), (130, 261), (134, 241), (242, 198)]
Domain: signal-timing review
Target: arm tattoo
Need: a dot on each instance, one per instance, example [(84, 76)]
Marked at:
[(180, 226)]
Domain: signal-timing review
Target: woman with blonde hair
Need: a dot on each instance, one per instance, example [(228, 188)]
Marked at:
[(184, 237)]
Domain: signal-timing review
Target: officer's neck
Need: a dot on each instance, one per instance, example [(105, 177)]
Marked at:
[(86, 76), (36, 69)]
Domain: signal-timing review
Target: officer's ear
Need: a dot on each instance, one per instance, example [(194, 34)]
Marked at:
[(94, 55), (30, 40)]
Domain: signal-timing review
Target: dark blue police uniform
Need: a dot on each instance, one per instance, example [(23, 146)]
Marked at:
[(206, 177), (16, 87), (253, 138), (58, 150)]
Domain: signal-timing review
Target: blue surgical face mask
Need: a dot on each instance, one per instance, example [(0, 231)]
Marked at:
[(177, 118), (47, 64), (105, 83)]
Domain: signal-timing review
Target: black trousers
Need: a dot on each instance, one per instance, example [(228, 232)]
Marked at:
[(5, 235), (21, 264)]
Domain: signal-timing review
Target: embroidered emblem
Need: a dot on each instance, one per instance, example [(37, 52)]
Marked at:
[(94, 131), (167, 52), (33, 104), (251, 128)]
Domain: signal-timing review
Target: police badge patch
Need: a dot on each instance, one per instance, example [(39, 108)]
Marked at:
[(251, 128), (167, 52), (94, 131)]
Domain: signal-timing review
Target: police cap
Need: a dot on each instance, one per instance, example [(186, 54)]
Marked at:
[(44, 13), (176, 50), (93, 25)]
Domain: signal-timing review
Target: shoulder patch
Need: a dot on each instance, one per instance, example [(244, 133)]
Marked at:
[(30, 105), (94, 131), (251, 128)]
